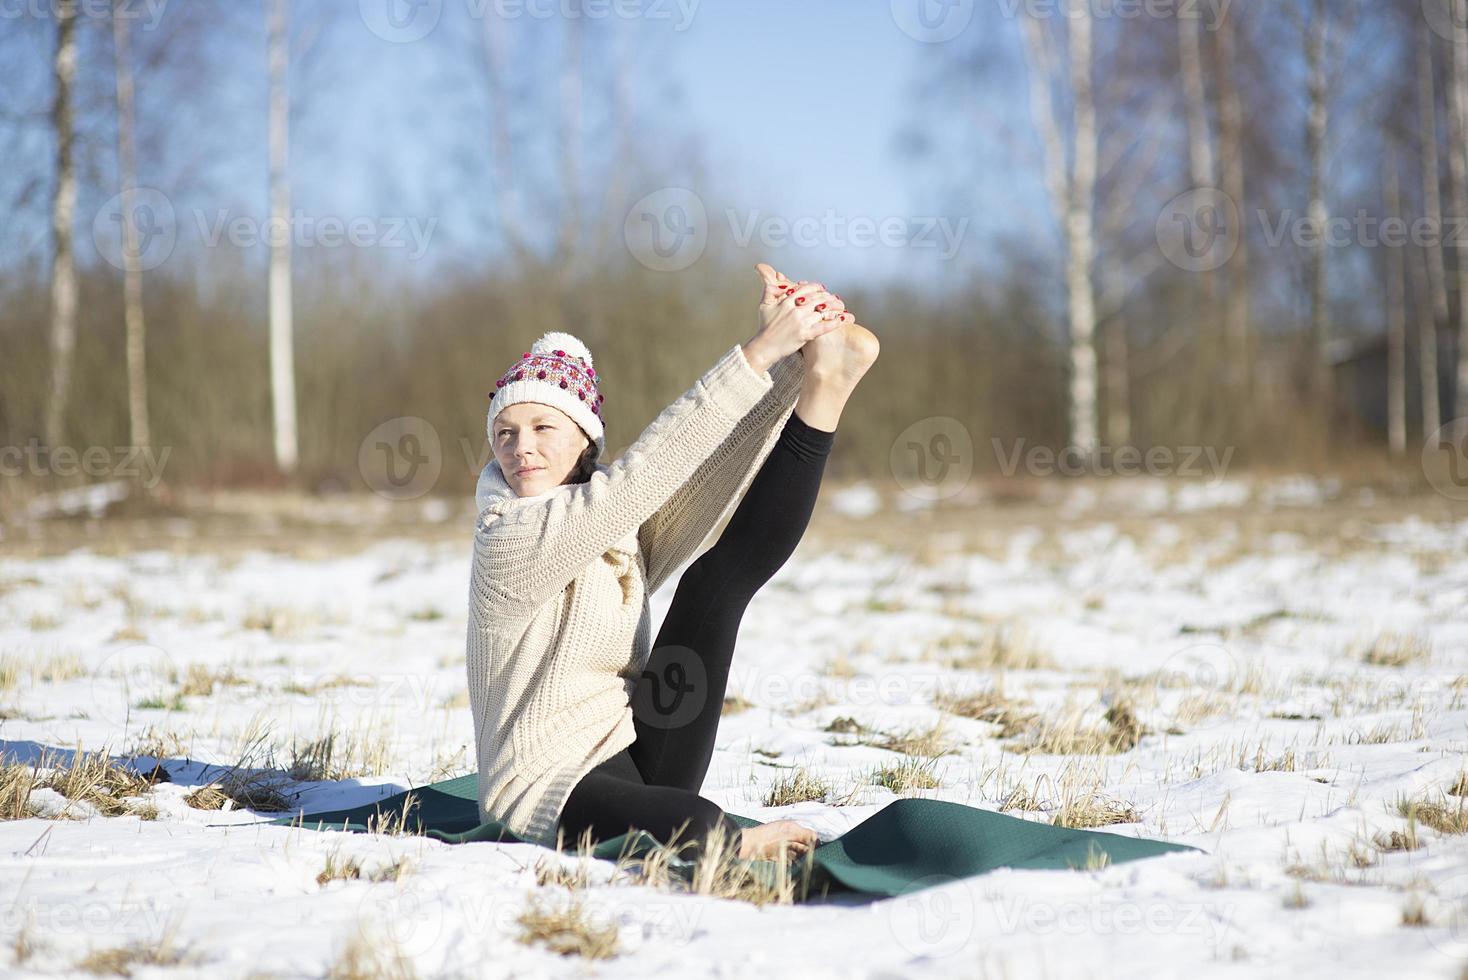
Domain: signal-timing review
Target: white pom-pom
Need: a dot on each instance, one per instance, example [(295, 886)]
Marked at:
[(559, 340)]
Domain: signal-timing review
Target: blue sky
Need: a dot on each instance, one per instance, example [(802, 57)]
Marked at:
[(796, 107)]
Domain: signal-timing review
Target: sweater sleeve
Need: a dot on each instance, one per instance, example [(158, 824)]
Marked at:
[(674, 533), (530, 548)]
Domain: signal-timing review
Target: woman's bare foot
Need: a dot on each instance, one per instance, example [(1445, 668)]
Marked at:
[(841, 356), (834, 364), (767, 840)]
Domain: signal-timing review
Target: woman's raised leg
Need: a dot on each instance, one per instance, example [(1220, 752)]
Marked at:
[(679, 699)]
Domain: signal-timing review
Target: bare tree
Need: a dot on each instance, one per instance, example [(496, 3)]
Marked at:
[(1200, 173), (63, 216), (495, 60), (1072, 195), (282, 356), (1396, 315), (570, 138), (1231, 164), (132, 281), (1429, 314), (1458, 165), (1316, 125)]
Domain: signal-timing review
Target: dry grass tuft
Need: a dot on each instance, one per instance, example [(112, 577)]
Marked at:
[(120, 961), (362, 959), (339, 868), (1088, 808), (1067, 734), (1201, 706), (566, 928), (720, 872), (335, 756), (907, 775), (715, 870), (1013, 717), (798, 787), (200, 680), (17, 780), (846, 725), (1441, 815), (1006, 647), (1126, 730), (926, 742), (246, 784), (734, 704), (839, 667), (94, 778), (1390, 649)]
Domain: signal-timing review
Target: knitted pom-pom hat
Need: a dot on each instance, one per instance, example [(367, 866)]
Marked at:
[(556, 371)]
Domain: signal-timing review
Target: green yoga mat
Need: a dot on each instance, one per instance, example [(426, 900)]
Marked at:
[(907, 845)]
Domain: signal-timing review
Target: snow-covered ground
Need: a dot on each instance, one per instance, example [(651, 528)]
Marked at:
[(1290, 688)]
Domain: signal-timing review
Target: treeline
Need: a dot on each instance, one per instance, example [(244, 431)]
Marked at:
[(1175, 286)]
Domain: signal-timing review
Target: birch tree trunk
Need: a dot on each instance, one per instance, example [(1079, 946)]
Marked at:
[(1200, 171), (282, 358), (1071, 195), (495, 62), (132, 275), (1324, 395), (63, 215), (1231, 160), (1080, 235), (1430, 314), (1458, 156), (570, 143), (1396, 318)]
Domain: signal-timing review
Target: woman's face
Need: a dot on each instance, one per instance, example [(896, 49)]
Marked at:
[(538, 446)]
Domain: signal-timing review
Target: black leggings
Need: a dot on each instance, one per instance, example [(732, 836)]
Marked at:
[(653, 784)]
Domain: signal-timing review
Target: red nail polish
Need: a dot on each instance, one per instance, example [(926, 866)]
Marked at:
[(820, 307), (799, 300)]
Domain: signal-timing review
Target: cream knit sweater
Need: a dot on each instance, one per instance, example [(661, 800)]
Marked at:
[(559, 620)]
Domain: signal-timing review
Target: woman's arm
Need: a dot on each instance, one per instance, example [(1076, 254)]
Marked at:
[(671, 536), (530, 548)]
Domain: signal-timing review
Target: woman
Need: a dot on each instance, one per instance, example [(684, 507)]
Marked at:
[(579, 721)]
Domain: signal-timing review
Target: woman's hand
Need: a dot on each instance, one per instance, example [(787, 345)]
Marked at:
[(790, 314)]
